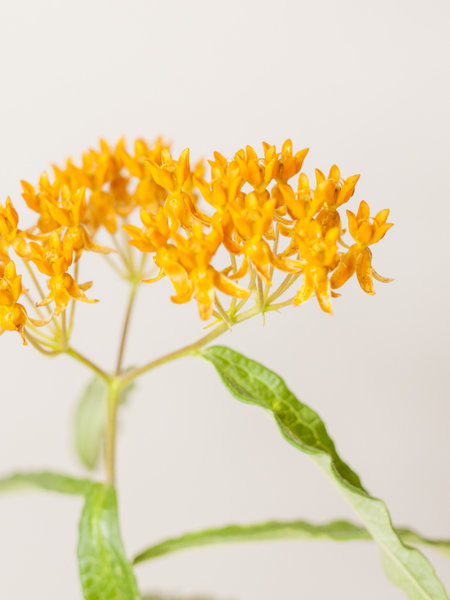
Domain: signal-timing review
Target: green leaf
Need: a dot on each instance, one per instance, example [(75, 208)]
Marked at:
[(90, 417), (105, 572), (52, 482), (90, 420), (302, 427), (338, 531)]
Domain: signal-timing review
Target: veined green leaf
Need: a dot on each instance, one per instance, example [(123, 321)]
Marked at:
[(105, 572), (90, 420), (45, 480), (338, 531), (301, 426)]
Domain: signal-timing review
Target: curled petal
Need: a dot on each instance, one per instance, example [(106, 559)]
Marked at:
[(22, 248), (320, 177), (228, 286), (306, 290), (352, 224), (183, 169), (365, 232), (379, 277), (254, 174), (346, 268), (184, 298), (287, 265), (323, 292), (363, 211), (40, 322), (382, 216), (162, 177), (59, 214), (346, 192), (160, 275), (364, 271), (205, 293), (29, 195), (242, 271), (380, 232)]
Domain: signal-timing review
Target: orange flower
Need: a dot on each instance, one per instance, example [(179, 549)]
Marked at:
[(188, 267), (365, 231), (52, 260), (10, 235), (338, 192), (13, 315), (45, 222), (156, 231), (318, 252)]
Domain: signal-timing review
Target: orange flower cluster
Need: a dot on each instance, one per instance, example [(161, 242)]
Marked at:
[(248, 210), (250, 207)]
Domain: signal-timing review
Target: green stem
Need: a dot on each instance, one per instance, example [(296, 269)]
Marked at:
[(111, 423), (289, 302), (133, 291), (39, 345), (285, 284), (189, 349), (83, 359), (36, 282)]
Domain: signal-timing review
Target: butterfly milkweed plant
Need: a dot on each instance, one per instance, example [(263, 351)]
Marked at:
[(239, 237)]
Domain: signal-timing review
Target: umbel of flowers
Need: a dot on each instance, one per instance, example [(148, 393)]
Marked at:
[(220, 234)]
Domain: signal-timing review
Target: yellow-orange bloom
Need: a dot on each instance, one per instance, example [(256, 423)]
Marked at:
[(13, 316), (318, 252), (52, 260), (250, 216), (365, 231), (10, 235), (68, 211), (188, 266)]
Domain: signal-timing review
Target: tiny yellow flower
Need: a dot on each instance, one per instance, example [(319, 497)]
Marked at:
[(10, 235), (365, 231), (52, 260), (13, 315), (318, 252)]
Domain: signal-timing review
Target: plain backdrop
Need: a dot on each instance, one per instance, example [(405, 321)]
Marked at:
[(365, 85)]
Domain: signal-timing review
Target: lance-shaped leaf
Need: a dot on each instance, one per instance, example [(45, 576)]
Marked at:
[(45, 480), (105, 571), (337, 531), (90, 420), (301, 426)]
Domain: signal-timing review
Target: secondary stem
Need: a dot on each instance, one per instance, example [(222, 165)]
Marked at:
[(189, 349), (83, 359), (123, 339)]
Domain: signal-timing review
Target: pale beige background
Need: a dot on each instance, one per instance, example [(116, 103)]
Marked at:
[(362, 84)]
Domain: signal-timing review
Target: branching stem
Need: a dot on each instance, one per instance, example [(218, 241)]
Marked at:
[(86, 361), (189, 349)]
